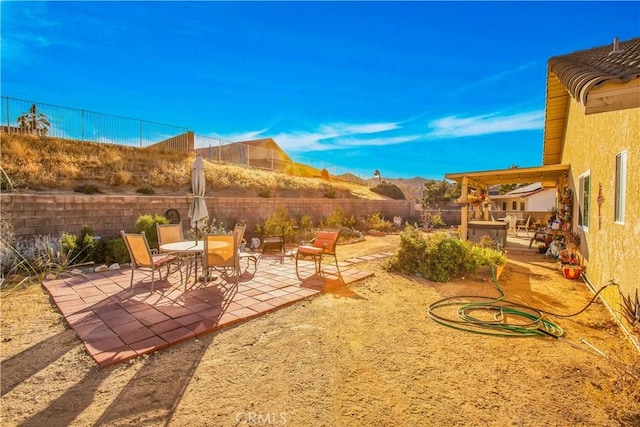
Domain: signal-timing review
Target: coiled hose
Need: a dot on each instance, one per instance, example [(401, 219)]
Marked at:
[(498, 316)]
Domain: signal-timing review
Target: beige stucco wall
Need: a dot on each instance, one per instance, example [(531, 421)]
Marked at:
[(592, 142)]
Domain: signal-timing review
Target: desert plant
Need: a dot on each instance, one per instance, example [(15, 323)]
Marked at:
[(34, 122), (438, 257), (631, 311), (278, 224), (264, 193), (338, 219), (330, 192), (87, 189), (146, 190), (377, 222), (147, 223), (389, 190), (432, 219)]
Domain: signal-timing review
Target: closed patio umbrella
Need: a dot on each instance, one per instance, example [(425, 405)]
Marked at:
[(198, 210)]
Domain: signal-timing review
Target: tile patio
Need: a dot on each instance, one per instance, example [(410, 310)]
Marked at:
[(116, 324)]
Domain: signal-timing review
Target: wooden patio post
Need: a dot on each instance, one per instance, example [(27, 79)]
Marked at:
[(464, 210)]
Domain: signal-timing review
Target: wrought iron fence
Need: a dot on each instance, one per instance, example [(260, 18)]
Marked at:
[(23, 116)]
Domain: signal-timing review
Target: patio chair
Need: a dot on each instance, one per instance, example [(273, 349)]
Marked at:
[(238, 230), (169, 233), (146, 259), (524, 227), (513, 222), (323, 244), (221, 255)]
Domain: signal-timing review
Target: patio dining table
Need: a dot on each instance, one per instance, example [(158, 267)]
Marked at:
[(190, 249)]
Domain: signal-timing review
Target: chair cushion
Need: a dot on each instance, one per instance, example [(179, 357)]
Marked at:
[(309, 250), (160, 260)]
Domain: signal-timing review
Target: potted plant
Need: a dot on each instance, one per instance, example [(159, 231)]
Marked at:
[(570, 257)]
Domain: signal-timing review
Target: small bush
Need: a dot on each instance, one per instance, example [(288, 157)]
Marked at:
[(87, 189), (116, 251), (324, 174), (146, 190), (377, 222), (337, 219), (438, 257), (279, 223), (330, 192), (264, 193), (389, 190), (432, 220), (147, 223)]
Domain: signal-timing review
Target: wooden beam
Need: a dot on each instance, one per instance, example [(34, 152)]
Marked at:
[(464, 210)]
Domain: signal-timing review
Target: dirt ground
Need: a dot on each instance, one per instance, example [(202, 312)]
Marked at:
[(363, 355)]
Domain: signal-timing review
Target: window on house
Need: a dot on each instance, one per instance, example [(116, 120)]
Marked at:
[(583, 202), (504, 206), (521, 206), (514, 206), (621, 186)]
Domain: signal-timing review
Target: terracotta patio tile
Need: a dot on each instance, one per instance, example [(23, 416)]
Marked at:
[(174, 311), (189, 319), (94, 299), (83, 319), (243, 312), (175, 336), (228, 319), (149, 345), (167, 325), (133, 306), (252, 292), (150, 317), (95, 332), (212, 313), (262, 307), (203, 327), (117, 355), (113, 311), (136, 335), (100, 346), (123, 328)]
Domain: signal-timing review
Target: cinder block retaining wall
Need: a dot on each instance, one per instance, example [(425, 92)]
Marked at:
[(107, 215)]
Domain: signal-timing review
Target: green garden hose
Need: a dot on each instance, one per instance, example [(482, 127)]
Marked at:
[(498, 316)]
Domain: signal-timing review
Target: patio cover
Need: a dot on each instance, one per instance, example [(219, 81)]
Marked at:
[(549, 176)]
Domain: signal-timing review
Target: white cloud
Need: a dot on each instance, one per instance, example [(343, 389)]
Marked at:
[(453, 126), (332, 136)]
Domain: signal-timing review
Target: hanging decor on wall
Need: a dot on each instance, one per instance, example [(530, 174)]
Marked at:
[(600, 202)]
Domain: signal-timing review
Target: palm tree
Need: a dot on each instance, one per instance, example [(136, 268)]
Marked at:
[(34, 122)]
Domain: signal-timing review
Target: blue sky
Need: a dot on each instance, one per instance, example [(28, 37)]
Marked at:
[(407, 88)]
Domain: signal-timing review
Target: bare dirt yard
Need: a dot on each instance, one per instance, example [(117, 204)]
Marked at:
[(362, 355)]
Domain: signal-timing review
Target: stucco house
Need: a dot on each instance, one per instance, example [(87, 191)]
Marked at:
[(260, 153), (591, 155), (532, 197)]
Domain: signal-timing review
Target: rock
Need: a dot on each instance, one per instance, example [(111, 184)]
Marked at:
[(77, 271), (50, 276), (101, 268), (114, 266)]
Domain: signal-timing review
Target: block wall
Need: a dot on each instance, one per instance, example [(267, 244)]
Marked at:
[(107, 215)]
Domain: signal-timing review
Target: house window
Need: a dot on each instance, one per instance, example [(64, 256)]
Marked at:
[(514, 206), (504, 206), (583, 202), (621, 186), (521, 206)]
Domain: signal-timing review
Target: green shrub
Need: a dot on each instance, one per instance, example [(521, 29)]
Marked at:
[(279, 223), (330, 192), (377, 222), (146, 190), (147, 223), (87, 189), (264, 193), (438, 257), (337, 219), (389, 190), (305, 223), (116, 251), (432, 219)]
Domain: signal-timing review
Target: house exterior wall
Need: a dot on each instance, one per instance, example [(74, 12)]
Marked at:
[(611, 250), (543, 201)]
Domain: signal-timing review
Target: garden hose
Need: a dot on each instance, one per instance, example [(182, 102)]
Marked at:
[(500, 317)]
